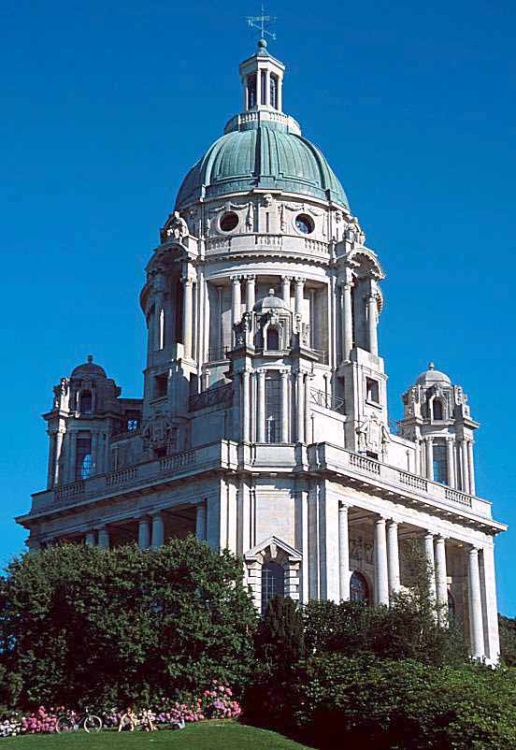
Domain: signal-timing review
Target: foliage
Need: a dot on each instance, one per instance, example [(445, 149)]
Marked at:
[(377, 704), (408, 629), (507, 627), (279, 640), (81, 625)]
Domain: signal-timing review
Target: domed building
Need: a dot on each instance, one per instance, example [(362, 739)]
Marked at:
[(263, 426)]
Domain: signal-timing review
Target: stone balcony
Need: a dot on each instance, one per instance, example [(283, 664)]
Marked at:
[(320, 459)]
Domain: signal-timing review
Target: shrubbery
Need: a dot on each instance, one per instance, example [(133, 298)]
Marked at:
[(81, 625), (379, 678)]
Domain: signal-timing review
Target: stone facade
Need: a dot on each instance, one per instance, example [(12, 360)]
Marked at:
[(263, 425)]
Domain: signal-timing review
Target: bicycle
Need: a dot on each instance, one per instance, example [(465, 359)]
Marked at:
[(72, 722)]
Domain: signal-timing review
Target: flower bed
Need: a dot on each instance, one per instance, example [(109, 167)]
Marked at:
[(216, 703)]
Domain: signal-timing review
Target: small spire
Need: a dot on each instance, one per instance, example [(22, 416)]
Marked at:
[(431, 366), (271, 292), (89, 358)]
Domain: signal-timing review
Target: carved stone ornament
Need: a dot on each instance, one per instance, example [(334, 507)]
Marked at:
[(268, 200), (177, 227)]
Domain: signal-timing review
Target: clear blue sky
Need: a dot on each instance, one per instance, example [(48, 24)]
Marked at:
[(106, 105)]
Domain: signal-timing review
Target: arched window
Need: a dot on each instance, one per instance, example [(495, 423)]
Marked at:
[(358, 588), (86, 402), (437, 409), (272, 339), (273, 582)]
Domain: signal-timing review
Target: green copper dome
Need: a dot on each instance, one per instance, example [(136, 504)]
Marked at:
[(257, 152), (262, 147)]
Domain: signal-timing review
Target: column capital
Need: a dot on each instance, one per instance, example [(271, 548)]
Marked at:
[(187, 280), (344, 506), (299, 280), (235, 279), (249, 277), (287, 278)]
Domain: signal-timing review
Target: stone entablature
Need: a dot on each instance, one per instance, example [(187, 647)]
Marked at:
[(324, 459)]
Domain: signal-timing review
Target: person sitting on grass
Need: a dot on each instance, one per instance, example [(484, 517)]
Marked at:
[(147, 721), (127, 720)]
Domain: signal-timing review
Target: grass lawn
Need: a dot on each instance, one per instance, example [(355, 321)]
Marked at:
[(210, 735)]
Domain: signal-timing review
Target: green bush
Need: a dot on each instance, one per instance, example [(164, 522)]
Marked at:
[(379, 704), (80, 624)]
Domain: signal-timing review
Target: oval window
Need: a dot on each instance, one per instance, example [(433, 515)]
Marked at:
[(228, 222), (304, 224)]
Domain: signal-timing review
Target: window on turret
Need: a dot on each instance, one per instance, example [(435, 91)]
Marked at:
[(440, 462), (372, 391), (86, 402), (251, 90), (437, 409), (263, 86), (83, 462), (273, 94), (160, 385), (273, 582), (272, 339), (272, 407)]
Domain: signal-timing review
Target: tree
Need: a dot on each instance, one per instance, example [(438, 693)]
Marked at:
[(507, 640), (279, 640), (82, 624)]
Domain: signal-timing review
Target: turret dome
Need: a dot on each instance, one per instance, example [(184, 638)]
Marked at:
[(270, 302), (433, 377), (89, 369)]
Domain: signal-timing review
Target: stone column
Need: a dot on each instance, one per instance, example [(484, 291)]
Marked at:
[(246, 413), (250, 288), (200, 521), (89, 539), (236, 300), (300, 407), (450, 461), (429, 458), (260, 432), (475, 606), (285, 289), (491, 611), (430, 560), (344, 572), (441, 576), (57, 456), (308, 424), (285, 406), (393, 556), (299, 295), (144, 533), (158, 530), (471, 468), (103, 538), (72, 445), (381, 588), (347, 320), (372, 315), (188, 317), (464, 465)]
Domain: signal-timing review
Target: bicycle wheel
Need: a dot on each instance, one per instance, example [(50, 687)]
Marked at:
[(92, 723), (64, 724)]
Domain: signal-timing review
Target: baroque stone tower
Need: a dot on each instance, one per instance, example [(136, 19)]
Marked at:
[(263, 427)]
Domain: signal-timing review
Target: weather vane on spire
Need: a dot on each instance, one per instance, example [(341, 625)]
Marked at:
[(260, 22)]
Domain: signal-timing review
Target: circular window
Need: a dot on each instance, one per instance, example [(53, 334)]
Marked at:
[(304, 224), (228, 222)]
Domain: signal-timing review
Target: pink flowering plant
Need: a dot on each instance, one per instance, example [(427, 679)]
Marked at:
[(41, 721), (216, 703)]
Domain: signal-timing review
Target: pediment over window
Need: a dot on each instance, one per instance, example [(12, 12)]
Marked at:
[(273, 549)]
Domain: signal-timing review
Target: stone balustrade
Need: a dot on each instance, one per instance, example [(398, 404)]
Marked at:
[(321, 458)]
